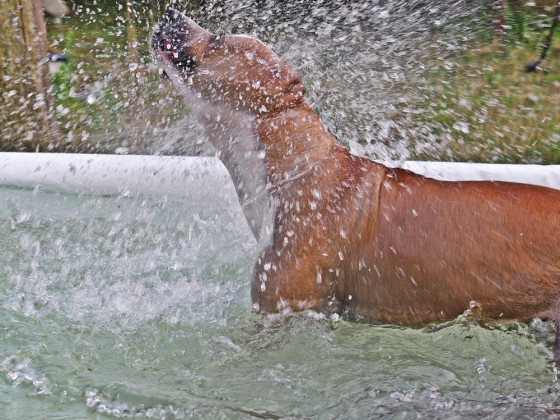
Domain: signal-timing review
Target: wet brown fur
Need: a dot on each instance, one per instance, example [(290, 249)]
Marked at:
[(398, 247), (384, 244)]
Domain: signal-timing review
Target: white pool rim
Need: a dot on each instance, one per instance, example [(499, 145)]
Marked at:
[(204, 179)]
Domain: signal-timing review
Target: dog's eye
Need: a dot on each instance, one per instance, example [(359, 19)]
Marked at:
[(217, 39)]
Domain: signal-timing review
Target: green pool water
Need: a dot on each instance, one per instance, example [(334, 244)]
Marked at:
[(116, 307)]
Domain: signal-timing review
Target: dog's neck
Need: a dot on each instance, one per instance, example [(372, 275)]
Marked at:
[(266, 156), (296, 144), (233, 135)]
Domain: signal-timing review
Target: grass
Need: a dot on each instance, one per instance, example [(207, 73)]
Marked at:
[(107, 96), (478, 105), (482, 107)]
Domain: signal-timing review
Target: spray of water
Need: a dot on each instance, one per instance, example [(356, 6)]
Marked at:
[(362, 66), (140, 307)]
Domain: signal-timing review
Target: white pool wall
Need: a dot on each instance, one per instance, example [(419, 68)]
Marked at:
[(204, 179), (200, 179), (544, 175)]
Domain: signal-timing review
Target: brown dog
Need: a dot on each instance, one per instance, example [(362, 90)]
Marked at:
[(339, 232)]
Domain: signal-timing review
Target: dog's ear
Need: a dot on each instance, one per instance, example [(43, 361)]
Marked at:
[(293, 78), (296, 89), (296, 85)]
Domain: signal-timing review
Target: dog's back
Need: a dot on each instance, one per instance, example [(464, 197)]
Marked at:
[(339, 231), (439, 245)]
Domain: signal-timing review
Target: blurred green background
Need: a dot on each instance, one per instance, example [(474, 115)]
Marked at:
[(429, 80)]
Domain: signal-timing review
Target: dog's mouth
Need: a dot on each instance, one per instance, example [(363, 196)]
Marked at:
[(166, 50)]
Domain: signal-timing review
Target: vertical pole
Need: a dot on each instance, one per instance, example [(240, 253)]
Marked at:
[(498, 18)]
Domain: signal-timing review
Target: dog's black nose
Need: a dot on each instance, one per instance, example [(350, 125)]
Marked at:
[(173, 17), (170, 31), (171, 21)]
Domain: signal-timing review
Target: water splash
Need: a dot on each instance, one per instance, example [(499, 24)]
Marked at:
[(130, 307), (362, 64)]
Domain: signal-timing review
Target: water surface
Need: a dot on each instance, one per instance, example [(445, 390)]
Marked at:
[(138, 307)]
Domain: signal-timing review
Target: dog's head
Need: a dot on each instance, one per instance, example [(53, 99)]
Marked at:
[(237, 71)]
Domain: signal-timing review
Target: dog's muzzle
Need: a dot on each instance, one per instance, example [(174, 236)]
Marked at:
[(170, 40)]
